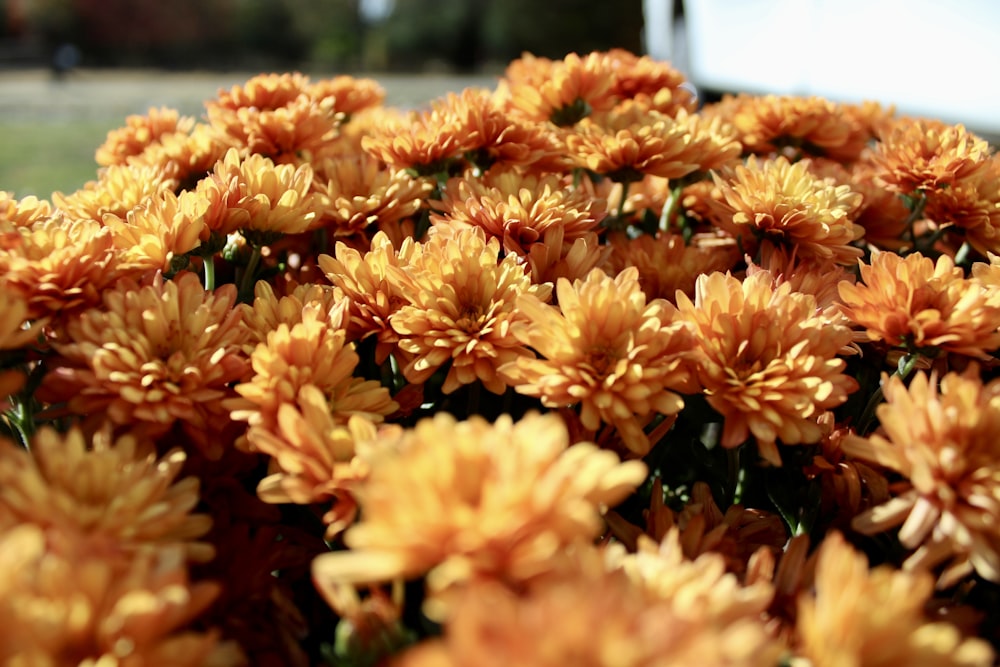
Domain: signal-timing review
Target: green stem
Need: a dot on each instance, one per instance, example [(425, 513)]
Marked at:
[(209, 268), (906, 366), (919, 203), (963, 254), (670, 207), (734, 476), (249, 276), (620, 215)]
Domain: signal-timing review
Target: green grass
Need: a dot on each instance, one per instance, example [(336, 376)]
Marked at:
[(40, 157)]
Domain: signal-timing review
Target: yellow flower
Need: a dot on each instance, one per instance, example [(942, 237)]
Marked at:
[(189, 156), (61, 603), (22, 212), (605, 347), (268, 311), (562, 92), (153, 356), (349, 94), (652, 83), (942, 441), (164, 227), (114, 495), (519, 209), (860, 617), (462, 500), (117, 190), (778, 203), (139, 133), (971, 209), (425, 142), (926, 306), (916, 155), (461, 309), (313, 351), (358, 191), (767, 359), (302, 130), (59, 266)]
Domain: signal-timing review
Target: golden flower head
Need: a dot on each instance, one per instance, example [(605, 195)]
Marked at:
[(779, 203), (58, 265), (460, 500), (605, 347), (915, 155), (519, 209), (942, 441), (767, 359), (358, 191), (562, 92), (188, 155), (163, 228), (425, 142), (61, 603), (269, 310), (22, 212), (112, 494), (139, 133), (461, 310), (652, 83), (117, 190), (923, 305), (971, 209), (861, 616), (349, 94), (153, 356)]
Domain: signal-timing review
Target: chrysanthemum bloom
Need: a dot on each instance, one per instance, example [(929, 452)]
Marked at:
[(264, 91), (767, 359), (269, 310), (654, 84), (859, 616), (15, 333), (255, 195), (630, 142), (349, 94), (59, 266), (118, 189), (138, 133), (593, 617), (921, 305), (63, 604), (462, 500), (563, 92), (372, 298), (882, 214), (804, 125), (778, 203), (315, 352), (313, 456), (553, 258), (357, 191), (621, 358), (917, 155), (665, 263), (153, 356), (971, 209), (943, 442), (188, 156), (114, 494), (519, 209), (425, 142), (461, 309), (23, 212), (158, 231), (295, 133)]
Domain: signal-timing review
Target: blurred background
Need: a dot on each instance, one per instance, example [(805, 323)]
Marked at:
[(70, 70)]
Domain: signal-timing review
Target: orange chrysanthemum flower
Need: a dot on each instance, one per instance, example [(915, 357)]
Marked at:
[(159, 231), (372, 298), (313, 453), (943, 442), (153, 356), (62, 604), (349, 94), (767, 359), (139, 133), (254, 195), (461, 500), (652, 83), (425, 142), (778, 203), (520, 209), (621, 358), (358, 191), (268, 310), (631, 142), (862, 616), (665, 263), (114, 495), (461, 310), (916, 303), (921, 155), (188, 156), (22, 212), (59, 266), (971, 209), (117, 190), (16, 332), (563, 92), (313, 351)]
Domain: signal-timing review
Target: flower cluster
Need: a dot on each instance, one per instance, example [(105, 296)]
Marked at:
[(570, 371)]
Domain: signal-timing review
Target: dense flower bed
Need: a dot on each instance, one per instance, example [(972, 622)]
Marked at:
[(569, 372)]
